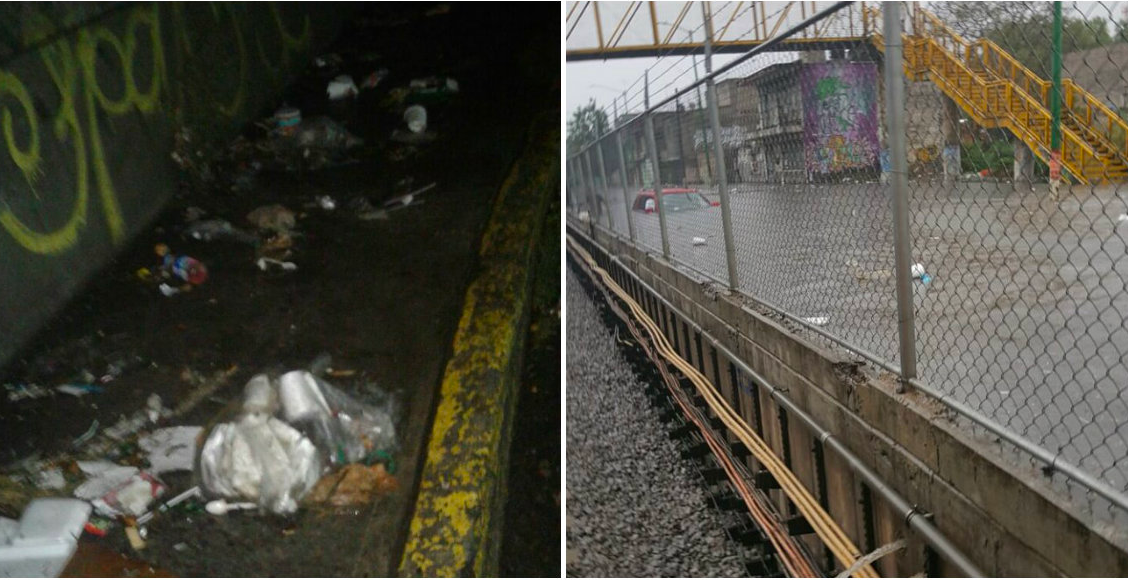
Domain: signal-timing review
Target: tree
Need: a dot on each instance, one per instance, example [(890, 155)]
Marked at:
[(587, 124), (1024, 29)]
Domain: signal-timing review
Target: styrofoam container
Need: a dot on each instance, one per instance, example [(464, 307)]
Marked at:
[(43, 541)]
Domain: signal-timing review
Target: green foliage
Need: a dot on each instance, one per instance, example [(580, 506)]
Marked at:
[(994, 156), (587, 124), (1025, 29)]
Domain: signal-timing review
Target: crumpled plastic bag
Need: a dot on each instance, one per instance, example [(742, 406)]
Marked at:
[(344, 429), (261, 459)]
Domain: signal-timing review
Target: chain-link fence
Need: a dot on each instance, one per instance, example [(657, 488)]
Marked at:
[(1009, 154)]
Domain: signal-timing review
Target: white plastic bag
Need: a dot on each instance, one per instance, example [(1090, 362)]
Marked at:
[(260, 459)]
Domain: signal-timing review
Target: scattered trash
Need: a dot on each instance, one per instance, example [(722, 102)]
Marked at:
[(180, 547), (337, 423), (917, 271), (50, 479), (329, 61), (407, 199), (820, 321), (116, 490), (78, 390), (434, 86), (168, 290), (42, 542), (171, 449), (353, 485), (277, 245), (220, 507), (172, 502), (287, 119), (698, 241), (265, 263), (134, 537), (326, 202), (325, 133), (374, 79), (98, 526), (153, 407), (21, 391), (86, 436), (127, 426), (342, 87), (216, 229), (1122, 218), (275, 218), (416, 118), (183, 267), (259, 458), (275, 463), (365, 210)]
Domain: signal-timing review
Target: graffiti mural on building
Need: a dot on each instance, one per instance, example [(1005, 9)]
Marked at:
[(839, 116)]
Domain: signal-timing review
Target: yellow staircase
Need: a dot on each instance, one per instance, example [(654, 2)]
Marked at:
[(995, 90)]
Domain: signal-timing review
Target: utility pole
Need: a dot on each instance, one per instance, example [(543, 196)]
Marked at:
[(1055, 106), (701, 109)]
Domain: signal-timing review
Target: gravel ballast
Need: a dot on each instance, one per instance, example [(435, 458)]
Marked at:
[(635, 508)]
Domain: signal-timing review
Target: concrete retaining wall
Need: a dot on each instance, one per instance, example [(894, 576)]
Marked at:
[(90, 97), (1001, 512)]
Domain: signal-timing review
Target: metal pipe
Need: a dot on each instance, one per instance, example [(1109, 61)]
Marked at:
[(624, 180), (913, 517), (721, 176), (902, 238)]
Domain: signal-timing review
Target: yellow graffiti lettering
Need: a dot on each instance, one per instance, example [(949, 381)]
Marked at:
[(73, 68)]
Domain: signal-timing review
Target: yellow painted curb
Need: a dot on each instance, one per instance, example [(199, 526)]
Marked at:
[(454, 530)]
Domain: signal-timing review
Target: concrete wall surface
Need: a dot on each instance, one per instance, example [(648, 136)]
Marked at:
[(91, 96)]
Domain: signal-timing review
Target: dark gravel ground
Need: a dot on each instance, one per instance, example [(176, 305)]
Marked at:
[(635, 508)]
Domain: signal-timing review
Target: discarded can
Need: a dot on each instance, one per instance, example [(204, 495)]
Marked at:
[(288, 118), (188, 269), (184, 267), (416, 118)]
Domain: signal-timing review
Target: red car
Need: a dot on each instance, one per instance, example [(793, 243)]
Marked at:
[(674, 198)]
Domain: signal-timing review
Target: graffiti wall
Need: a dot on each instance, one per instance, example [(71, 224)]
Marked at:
[(89, 104), (839, 116)]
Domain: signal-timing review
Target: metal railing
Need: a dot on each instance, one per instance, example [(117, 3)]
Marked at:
[(883, 212)]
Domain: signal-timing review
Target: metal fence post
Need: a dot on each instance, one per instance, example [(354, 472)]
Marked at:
[(625, 182), (593, 201), (603, 178), (721, 177), (652, 146), (902, 241), (573, 203)]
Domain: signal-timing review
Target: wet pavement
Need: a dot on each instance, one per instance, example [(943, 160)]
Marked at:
[(1023, 319), (381, 297)]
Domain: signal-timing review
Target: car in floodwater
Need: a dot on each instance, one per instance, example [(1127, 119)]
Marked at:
[(675, 199)]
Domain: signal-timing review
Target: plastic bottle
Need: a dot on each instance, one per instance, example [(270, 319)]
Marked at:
[(416, 118)]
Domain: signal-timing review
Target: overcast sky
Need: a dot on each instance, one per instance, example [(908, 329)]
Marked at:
[(606, 80)]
